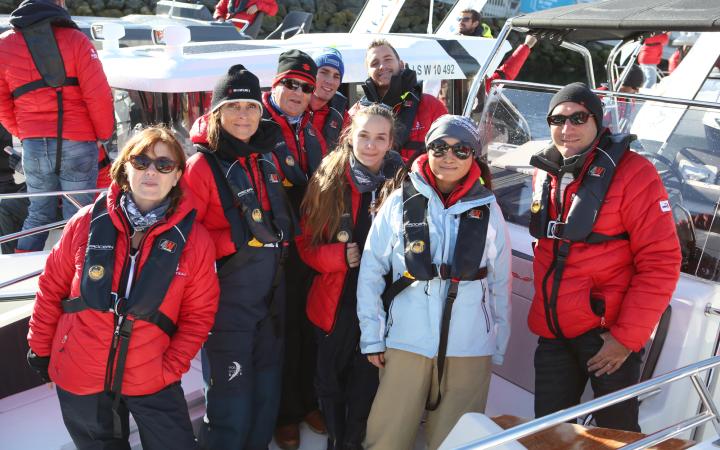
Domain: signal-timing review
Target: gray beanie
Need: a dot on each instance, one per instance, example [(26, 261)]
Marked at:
[(459, 127)]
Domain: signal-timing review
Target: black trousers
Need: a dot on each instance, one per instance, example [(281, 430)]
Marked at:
[(346, 382), (561, 375), (162, 419)]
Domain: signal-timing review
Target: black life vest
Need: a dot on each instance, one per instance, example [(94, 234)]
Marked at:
[(465, 266), (249, 224), (334, 121), (582, 215), (48, 60)]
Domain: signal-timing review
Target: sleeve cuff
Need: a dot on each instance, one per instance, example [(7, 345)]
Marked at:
[(375, 347)]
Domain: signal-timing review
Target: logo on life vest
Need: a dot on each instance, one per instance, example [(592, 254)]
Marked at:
[(417, 247), (535, 206), (234, 370), (343, 236), (168, 246), (596, 171), (96, 272), (290, 161), (665, 206), (475, 214), (333, 124), (311, 132), (274, 178), (257, 215)]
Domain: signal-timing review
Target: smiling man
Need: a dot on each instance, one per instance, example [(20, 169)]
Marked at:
[(606, 260), (390, 83), (328, 107)]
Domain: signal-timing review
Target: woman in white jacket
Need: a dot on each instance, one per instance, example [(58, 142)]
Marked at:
[(436, 328)]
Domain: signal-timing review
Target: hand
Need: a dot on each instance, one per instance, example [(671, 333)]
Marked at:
[(40, 365), (220, 19), (252, 10), (611, 356), (530, 40), (377, 359), (352, 254)]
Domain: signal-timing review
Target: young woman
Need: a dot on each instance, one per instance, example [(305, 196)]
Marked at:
[(125, 302), (243, 205), (434, 330), (337, 211)]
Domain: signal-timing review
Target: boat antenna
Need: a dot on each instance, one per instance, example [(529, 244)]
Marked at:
[(430, 14)]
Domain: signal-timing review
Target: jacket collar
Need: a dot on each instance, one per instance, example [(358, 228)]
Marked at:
[(551, 161), (120, 221), (470, 189)]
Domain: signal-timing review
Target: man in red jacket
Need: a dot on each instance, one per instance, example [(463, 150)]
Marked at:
[(53, 96), (391, 83), (606, 261), (650, 56)]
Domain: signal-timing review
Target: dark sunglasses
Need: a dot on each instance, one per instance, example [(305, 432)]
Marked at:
[(162, 164), (576, 118), (294, 84), (460, 150)]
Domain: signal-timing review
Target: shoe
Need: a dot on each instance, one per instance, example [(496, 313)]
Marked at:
[(287, 437), (316, 421)]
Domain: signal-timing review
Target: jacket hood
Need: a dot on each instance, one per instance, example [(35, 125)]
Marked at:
[(401, 83), (33, 11), (199, 129), (469, 189), (118, 217), (551, 161)]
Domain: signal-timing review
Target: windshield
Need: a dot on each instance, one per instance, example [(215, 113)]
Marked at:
[(683, 143)]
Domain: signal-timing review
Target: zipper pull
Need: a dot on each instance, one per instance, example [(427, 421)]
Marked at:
[(602, 321), (116, 334)]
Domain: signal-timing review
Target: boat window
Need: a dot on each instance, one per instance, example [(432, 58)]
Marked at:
[(683, 143)]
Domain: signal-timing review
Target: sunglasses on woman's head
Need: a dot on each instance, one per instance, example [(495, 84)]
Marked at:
[(143, 162), (440, 148), (293, 85), (576, 118)]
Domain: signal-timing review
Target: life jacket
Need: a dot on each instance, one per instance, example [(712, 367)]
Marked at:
[(465, 266), (146, 294), (249, 225), (405, 113), (46, 56), (582, 215), (334, 121)]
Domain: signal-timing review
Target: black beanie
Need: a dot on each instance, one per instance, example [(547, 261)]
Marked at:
[(296, 64), (579, 93), (238, 85), (635, 77)]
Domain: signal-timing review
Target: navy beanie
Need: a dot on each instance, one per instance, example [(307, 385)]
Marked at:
[(581, 94)]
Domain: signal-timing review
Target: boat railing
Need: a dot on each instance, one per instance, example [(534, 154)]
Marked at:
[(708, 411)]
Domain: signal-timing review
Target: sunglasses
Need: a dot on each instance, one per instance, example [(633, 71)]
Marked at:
[(162, 164), (464, 19), (293, 85), (460, 150), (576, 118)]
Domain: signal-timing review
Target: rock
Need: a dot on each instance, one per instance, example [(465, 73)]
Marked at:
[(97, 6), (112, 12), (146, 10), (134, 5), (115, 4), (82, 9)]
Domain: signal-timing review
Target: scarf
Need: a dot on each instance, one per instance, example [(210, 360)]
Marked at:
[(365, 180), (230, 148), (138, 220)]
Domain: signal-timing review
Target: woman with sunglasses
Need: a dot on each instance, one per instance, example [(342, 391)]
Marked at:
[(243, 204), (435, 329), (337, 211), (127, 298)]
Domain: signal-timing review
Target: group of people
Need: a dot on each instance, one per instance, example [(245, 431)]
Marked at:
[(349, 267)]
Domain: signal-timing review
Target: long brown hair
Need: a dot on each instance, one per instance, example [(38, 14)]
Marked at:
[(324, 201), (142, 142)]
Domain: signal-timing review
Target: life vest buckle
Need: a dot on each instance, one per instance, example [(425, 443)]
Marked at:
[(555, 229)]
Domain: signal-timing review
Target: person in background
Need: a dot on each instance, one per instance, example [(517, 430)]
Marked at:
[(469, 24), (59, 127), (606, 259), (620, 112), (650, 56), (337, 212), (396, 86), (138, 263), (328, 107), (244, 10), (434, 330), (241, 201)]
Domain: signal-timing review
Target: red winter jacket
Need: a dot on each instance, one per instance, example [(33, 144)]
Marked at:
[(511, 67), (88, 108), (652, 49), (269, 7), (319, 116), (79, 343), (330, 261), (635, 277)]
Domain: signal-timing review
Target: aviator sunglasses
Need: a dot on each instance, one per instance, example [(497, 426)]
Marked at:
[(162, 164), (440, 148), (576, 118), (294, 84)]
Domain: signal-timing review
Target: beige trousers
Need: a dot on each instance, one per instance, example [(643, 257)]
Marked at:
[(405, 383)]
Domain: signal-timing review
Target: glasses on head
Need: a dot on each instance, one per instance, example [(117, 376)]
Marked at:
[(293, 85), (440, 148), (576, 118), (143, 162)]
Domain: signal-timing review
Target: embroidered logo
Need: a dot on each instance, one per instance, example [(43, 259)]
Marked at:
[(274, 178), (290, 161), (333, 124), (343, 236), (596, 171), (475, 214), (234, 370), (96, 272), (417, 247), (535, 206), (664, 206), (306, 66), (167, 245), (257, 215)]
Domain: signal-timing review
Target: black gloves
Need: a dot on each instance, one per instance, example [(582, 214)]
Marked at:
[(40, 365)]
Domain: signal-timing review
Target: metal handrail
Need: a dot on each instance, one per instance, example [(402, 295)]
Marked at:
[(24, 277), (50, 193), (32, 231), (710, 413)]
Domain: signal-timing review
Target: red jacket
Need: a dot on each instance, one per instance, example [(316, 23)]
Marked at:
[(319, 116), (652, 49), (330, 261), (79, 343), (269, 7), (511, 67), (88, 108), (635, 277)]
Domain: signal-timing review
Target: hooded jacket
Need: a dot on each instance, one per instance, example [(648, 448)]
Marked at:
[(87, 108), (480, 324), (635, 277), (79, 343)]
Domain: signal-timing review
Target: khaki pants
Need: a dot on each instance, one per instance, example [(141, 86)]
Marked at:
[(405, 383)]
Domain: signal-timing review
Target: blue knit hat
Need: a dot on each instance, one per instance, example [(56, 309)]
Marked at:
[(331, 58)]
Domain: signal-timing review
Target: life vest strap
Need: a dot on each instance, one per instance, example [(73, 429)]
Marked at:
[(555, 230), (158, 318), (40, 84)]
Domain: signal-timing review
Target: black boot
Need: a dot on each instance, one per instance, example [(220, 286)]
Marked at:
[(334, 413)]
